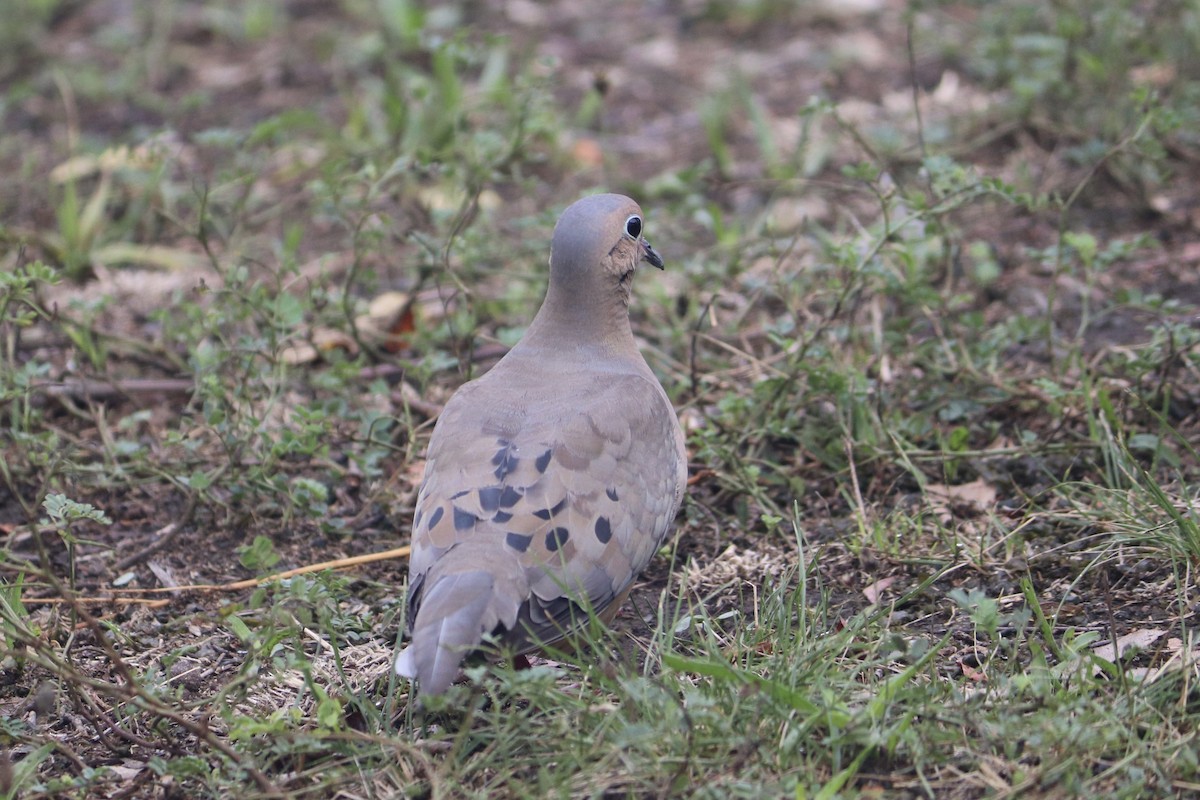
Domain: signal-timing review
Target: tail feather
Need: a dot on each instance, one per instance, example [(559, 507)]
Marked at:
[(468, 593), (450, 623)]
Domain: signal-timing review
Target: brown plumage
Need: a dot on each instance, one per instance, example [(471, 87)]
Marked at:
[(552, 480)]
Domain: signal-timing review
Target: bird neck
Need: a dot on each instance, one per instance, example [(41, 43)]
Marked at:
[(598, 322)]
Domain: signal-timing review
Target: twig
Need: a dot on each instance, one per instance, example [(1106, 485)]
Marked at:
[(916, 88), (250, 583), (133, 601), (118, 595), (84, 388), (858, 498), (692, 372)]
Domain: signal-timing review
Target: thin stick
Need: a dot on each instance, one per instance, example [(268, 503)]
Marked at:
[(858, 498), (250, 583), (138, 601)]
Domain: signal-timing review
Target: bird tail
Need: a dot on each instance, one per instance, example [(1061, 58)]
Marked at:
[(450, 623), (468, 593)]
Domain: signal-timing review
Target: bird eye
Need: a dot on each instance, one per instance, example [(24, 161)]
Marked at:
[(633, 226)]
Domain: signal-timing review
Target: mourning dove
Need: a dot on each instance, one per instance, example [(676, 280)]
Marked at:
[(551, 480)]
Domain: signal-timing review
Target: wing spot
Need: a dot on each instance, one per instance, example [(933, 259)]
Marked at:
[(505, 460), (518, 541), (603, 530), (464, 520), (509, 497), (436, 517), (557, 538), (612, 493), (501, 517), (547, 513), (489, 498), (543, 460), (417, 519)]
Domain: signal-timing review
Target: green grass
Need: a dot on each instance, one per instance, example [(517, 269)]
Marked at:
[(937, 365)]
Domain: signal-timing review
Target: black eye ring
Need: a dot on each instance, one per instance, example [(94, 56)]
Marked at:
[(633, 226)]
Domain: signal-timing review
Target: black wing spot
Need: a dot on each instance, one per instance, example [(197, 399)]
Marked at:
[(464, 520), (501, 517), (509, 497), (518, 541), (415, 590), (417, 519), (436, 517), (543, 460), (547, 513), (612, 493), (505, 460), (603, 530), (557, 538), (489, 498)]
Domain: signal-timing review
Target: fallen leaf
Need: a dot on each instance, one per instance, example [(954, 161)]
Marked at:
[(389, 320), (296, 354), (128, 770), (969, 672), (322, 341), (1134, 640), (153, 255), (978, 493), (109, 160), (873, 591)]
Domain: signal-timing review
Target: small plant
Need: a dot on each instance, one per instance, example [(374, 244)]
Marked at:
[(259, 555), (63, 514)]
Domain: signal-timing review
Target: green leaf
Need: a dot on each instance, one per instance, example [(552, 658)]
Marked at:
[(329, 714), (259, 554), (240, 629), (63, 510)]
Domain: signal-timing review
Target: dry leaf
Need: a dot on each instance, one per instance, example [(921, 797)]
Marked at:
[(153, 255), (873, 591), (327, 339), (322, 341), (1139, 639), (109, 160), (297, 354), (389, 320), (978, 494), (969, 672)]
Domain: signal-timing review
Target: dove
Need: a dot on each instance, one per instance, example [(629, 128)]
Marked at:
[(551, 480)]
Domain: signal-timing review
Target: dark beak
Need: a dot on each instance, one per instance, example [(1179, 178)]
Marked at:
[(652, 255)]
